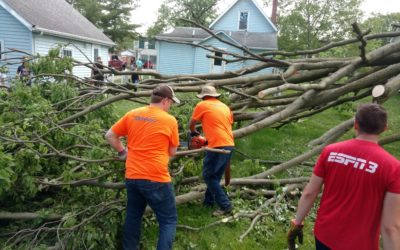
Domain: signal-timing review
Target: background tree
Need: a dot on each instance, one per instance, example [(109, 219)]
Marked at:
[(170, 12), (91, 9), (308, 24), (379, 23), (115, 22), (111, 16)]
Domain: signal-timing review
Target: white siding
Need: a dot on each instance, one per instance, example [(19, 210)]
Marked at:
[(81, 51)]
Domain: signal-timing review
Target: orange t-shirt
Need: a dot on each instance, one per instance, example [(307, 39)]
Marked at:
[(216, 119), (150, 131)]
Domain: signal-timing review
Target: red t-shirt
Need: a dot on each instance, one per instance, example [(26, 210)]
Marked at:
[(356, 174), (216, 119), (151, 132)]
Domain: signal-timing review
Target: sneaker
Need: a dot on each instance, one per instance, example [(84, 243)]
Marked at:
[(220, 212)]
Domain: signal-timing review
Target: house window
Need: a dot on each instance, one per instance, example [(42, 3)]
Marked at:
[(141, 43), (96, 53), (243, 20), (67, 52), (2, 49), (217, 61)]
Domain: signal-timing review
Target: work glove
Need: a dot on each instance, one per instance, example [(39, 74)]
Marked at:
[(122, 154), (194, 133), (294, 231)]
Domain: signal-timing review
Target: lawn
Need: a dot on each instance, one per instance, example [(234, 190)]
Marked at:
[(268, 144)]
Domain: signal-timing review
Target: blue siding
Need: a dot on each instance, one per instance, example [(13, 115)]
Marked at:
[(251, 62), (204, 64), (14, 35), (256, 22), (184, 59), (175, 58)]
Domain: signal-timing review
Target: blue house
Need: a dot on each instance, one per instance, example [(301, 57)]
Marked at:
[(243, 23), (36, 26)]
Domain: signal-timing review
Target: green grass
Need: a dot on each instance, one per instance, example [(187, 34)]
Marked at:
[(268, 144), (124, 106)]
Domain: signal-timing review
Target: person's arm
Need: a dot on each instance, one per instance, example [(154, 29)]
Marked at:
[(172, 151), (308, 197), (113, 139), (192, 126), (390, 223)]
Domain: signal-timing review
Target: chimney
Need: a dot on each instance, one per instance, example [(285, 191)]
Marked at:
[(274, 10)]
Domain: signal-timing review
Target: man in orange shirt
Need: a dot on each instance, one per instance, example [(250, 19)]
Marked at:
[(152, 137), (216, 119)]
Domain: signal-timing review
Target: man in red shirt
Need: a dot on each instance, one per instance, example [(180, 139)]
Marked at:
[(361, 195), (216, 119)]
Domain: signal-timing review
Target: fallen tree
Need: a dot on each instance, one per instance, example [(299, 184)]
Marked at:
[(53, 155)]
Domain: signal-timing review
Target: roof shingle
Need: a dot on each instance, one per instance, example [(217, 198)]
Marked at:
[(260, 40), (57, 17)]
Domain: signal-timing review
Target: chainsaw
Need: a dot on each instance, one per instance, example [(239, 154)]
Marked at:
[(195, 141)]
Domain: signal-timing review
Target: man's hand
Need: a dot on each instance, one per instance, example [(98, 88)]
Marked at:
[(194, 133), (294, 231), (122, 154)]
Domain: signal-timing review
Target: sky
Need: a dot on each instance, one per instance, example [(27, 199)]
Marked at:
[(146, 13)]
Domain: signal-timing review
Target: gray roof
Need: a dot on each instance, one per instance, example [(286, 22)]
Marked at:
[(185, 34), (261, 40), (58, 18)]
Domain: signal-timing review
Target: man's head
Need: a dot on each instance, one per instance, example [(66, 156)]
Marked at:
[(25, 61), (371, 119), (162, 93), (98, 59), (208, 90)]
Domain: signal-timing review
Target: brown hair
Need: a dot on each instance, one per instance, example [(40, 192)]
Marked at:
[(371, 118), (156, 99)]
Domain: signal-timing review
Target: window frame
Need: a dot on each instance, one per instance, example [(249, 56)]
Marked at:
[(221, 62), (212, 61), (94, 57), (65, 49), (247, 21), (2, 49)]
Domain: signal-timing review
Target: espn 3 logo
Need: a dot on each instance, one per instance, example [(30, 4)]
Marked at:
[(348, 160)]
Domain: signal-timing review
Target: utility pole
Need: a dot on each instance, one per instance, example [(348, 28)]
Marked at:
[(274, 11)]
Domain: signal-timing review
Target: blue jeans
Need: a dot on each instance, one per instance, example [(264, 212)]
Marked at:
[(214, 165), (161, 198)]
